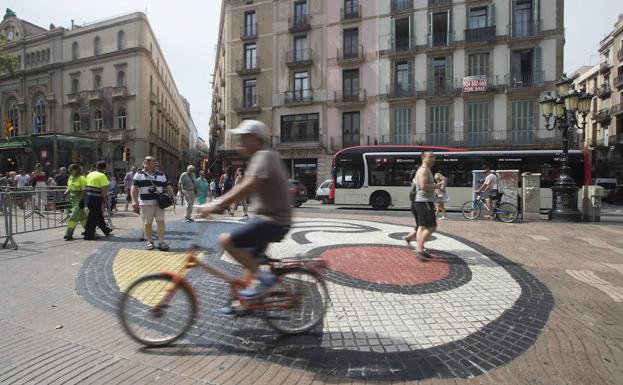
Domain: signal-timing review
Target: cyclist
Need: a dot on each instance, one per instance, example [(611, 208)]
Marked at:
[(267, 179), (490, 186)]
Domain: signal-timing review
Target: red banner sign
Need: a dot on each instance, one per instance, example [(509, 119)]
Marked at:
[(474, 83)]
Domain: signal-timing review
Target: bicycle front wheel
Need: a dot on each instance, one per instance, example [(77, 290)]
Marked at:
[(299, 303), (507, 212), (471, 210), (155, 311)]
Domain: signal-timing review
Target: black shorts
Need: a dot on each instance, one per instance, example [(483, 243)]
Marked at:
[(256, 234), (425, 214)]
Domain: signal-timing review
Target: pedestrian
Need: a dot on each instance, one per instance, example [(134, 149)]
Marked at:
[(127, 185), (12, 180), (62, 177), (490, 189), (213, 192), (441, 196), (228, 184), (96, 196), (412, 236), (202, 187), (51, 182), (147, 185), (40, 182), (186, 187), (22, 180), (76, 186), (424, 204), (112, 194), (244, 202)]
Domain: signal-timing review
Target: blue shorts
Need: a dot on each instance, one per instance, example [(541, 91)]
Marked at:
[(256, 234)]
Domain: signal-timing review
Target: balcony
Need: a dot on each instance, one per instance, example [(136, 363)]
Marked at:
[(401, 91), (441, 88), (402, 45), (618, 81), (153, 98), (352, 55), (401, 5), (438, 3), (525, 79), (299, 23), (604, 91), (620, 54), (299, 58), (440, 40), (616, 140), (95, 95), (603, 116), (351, 98), (248, 32), (475, 35), (298, 138), (248, 67), (73, 98), (350, 14), (248, 105), (407, 139), (525, 29), (120, 92), (604, 67), (299, 97), (617, 109)]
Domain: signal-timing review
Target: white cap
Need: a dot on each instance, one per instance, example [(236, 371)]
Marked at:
[(254, 127)]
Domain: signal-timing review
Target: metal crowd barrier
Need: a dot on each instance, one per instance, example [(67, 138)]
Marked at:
[(27, 209)]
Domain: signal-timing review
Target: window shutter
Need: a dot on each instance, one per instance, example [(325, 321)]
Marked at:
[(411, 75), (393, 35), (449, 73), (429, 74), (536, 12), (429, 30), (511, 28), (411, 32), (449, 27), (491, 15), (538, 65)]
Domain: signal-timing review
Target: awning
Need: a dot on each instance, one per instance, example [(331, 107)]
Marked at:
[(13, 144)]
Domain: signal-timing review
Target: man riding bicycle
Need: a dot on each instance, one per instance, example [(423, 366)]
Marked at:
[(490, 187), (267, 179)]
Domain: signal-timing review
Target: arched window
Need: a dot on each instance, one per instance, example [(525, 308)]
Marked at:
[(97, 82), (40, 115), (121, 117), (98, 122), (26, 60), (97, 45), (120, 40), (120, 78), (75, 85), (75, 53), (75, 121), (38, 57), (47, 55), (12, 113)]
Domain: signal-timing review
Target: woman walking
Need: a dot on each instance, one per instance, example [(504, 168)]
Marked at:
[(441, 197), (202, 187), (76, 185), (412, 236)]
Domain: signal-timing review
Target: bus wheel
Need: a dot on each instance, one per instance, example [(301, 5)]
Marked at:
[(380, 200)]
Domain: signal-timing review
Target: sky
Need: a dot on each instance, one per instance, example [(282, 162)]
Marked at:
[(187, 31)]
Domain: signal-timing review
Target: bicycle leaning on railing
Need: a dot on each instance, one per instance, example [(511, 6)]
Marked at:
[(157, 309), (504, 211)]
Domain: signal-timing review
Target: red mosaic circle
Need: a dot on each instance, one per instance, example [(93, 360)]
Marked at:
[(385, 265)]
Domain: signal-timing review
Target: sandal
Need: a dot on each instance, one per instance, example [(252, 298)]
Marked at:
[(163, 246), (423, 256), (150, 246)]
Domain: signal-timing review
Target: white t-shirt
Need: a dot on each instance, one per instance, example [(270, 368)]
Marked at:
[(213, 186), (22, 180), (492, 181)]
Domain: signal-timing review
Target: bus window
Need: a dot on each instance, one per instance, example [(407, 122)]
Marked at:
[(391, 170), (348, 176)]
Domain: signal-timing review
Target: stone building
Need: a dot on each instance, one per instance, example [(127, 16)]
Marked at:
[(93, 91)]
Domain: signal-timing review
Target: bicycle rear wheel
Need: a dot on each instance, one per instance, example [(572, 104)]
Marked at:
[(471, 210), (507, 212), (150, 319), (299, 303)]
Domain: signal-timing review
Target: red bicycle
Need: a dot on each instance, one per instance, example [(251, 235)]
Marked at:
[(158, 309)]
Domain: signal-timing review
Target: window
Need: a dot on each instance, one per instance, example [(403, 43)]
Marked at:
[(350, 129), (98, 121), (301, 52), (526, 68), (120, 78), (75, 122), (438, 125), (522, 122), (250, 93), (97, 46), (250, 56), (26, 60), (402, 126), (40, 117), (350, 84), (250, 28), (300, 12), (477, 124), (351, 43), (75, 85), (349, 176), (351, 9), (300, 128), (12, 112), (522, 18), (403, 84), (402, 34), (477, 17), (120, 40), (301, 86), (38, 57), (47, 55), (121, 118), (97, 82), (439, 73), (478, 64), (439, 29), (391, 170)]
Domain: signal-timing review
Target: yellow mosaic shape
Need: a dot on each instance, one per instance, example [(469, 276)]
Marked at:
[(129, 265)]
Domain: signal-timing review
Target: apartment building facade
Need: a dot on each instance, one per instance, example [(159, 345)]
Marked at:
[(93, 91), (334, 74)]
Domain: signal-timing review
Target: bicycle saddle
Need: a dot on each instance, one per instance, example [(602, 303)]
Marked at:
[(264, 259)]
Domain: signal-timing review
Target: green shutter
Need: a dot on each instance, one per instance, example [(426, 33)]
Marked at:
[(429, 37), (429, 74), (536, 12), (393, 35), (491, 15), (511, 29), (449, 73), (449, 27), (411, 32), (411, 74), (538, 66)]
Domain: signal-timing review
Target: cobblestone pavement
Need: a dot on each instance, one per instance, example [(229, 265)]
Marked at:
[(513, 304)]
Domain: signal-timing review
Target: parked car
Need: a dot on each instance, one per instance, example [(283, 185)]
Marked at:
[(298, 192), (607, 183), (322, 193), (616, 195)]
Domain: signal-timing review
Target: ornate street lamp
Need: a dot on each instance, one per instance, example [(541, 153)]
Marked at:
[(568, 108)]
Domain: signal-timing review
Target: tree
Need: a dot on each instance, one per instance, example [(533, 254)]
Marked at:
[(8, 62)]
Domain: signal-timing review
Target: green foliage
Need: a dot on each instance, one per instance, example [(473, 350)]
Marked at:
[(8, 62)]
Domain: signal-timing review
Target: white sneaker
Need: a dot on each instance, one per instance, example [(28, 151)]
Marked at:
[(443, 218)]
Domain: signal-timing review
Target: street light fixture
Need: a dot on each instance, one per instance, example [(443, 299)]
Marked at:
[(568, 108)]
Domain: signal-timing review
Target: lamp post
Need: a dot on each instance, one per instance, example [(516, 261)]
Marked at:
[(568, 108)]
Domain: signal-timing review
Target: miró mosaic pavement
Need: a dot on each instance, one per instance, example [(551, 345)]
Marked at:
[(391, 316)]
